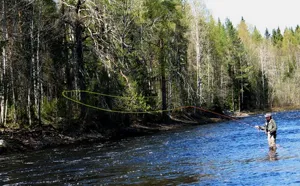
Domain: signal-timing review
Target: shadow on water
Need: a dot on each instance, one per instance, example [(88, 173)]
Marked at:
[(179, 180)]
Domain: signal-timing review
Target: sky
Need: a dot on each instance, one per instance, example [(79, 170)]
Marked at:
[(263, 14)]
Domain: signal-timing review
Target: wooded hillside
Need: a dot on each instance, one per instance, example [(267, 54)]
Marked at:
[(151, 54)]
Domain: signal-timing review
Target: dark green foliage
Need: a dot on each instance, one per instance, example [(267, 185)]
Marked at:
[(267, 34), (236, 66), (143, 50), (276, 37)]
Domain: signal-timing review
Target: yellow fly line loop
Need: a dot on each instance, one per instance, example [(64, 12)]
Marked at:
[(138, 112), (108, 110)]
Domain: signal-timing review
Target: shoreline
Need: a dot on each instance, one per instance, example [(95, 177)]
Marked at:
[(18, 141), (46, 136)]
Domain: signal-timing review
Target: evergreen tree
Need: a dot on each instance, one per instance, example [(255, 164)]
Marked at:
[(276, 37), (256, 36), (237, 66), (267, 34), (136, 49)]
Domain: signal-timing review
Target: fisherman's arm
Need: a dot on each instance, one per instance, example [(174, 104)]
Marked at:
[(260, 127)]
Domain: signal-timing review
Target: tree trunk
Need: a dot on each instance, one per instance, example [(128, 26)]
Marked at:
[(197, 47), (14, 119), (31, 87), (163, 78), (38, 73), (39, 77), (79, 58), (29, 105), (262, 77), (3, 65)]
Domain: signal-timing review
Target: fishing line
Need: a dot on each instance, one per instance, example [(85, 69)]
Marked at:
[(147, 112), (140, 112)]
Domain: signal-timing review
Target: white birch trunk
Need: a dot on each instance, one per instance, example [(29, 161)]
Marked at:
[(31, 83), (38, 96), (28, 106), (262, 61), (197, 47), (3, 102), (13, 95)]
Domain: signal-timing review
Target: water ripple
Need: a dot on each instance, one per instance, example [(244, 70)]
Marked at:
[(228, 153)]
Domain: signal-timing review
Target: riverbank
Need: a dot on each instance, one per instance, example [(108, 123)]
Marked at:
[(46, 136)]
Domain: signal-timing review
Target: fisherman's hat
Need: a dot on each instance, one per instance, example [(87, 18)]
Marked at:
[(268, 115)]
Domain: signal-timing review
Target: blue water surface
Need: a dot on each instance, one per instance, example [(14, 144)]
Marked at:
[(227, 153)]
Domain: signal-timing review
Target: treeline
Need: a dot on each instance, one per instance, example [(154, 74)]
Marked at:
[(150, 54)]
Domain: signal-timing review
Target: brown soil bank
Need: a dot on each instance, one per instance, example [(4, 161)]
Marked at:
[(47, 136)]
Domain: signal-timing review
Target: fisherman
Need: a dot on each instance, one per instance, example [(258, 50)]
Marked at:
[(270, 129)]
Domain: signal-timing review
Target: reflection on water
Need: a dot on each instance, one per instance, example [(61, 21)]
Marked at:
[(273, 155), (228, 153)]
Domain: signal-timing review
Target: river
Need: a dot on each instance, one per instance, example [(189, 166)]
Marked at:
[(228, 153)]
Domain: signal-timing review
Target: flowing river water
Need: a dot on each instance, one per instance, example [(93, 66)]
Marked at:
[(228, 153)]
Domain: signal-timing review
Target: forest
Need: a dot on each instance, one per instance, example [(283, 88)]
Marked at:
[(133, 57)]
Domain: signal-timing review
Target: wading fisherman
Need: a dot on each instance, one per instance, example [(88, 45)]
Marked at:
[(270, 129)]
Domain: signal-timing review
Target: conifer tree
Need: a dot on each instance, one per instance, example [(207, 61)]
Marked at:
[(267, 34), (256, 36)]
